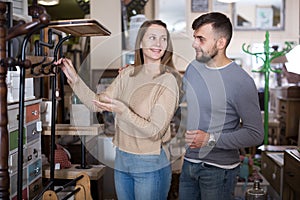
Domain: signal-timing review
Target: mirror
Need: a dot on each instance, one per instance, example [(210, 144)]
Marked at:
[(259, 15), (173, 13)]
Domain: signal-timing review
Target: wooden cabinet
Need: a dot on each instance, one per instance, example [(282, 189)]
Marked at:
[(32, 154), (289, 112), (273, 162), (291, 172), (272, 169)]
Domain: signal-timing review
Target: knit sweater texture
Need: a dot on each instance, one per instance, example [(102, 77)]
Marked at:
[(144, 127), (222, 101)]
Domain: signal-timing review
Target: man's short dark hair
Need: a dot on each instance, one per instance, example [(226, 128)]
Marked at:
[(220, 23)]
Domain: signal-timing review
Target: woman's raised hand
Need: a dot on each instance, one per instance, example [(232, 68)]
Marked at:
[(68, 69)]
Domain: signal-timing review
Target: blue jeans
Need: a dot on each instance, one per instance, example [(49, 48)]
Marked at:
[(146, 177), (200, 181)]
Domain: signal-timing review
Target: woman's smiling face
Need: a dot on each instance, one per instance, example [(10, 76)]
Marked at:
[(154, 43)]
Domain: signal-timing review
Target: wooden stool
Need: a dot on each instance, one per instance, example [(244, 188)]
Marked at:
[(95, 174)]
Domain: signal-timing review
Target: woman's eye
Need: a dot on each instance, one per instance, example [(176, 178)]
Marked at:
[(152, 38), (164, 39)]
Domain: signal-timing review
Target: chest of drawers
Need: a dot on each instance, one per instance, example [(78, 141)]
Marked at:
[(272, 169), (32, 159), (291, 170), (289, 114)]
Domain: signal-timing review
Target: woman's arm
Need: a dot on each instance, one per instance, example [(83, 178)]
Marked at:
[(158, 122), (83, 92)]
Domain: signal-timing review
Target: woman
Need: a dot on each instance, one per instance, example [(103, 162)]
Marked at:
[(144, 97)]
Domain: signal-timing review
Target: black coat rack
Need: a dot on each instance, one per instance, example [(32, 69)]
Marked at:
[(74, 28)]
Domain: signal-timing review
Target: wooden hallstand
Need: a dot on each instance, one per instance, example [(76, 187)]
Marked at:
[(79, 27), (4, 176)]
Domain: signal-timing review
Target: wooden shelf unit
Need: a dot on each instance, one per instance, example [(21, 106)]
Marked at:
[(67, 129)]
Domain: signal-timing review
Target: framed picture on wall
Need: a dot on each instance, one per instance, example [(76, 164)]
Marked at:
[(264, 17), (199, 5)]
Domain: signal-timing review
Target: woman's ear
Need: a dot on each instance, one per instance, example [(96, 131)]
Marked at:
[(141, 45)]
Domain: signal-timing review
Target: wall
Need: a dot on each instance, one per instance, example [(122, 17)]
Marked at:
[(107, 52), (183, 42), (291, 33)]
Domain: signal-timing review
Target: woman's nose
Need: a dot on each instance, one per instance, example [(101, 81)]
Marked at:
[(157, 43)]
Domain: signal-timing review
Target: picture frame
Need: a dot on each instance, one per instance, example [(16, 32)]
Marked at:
[(264, 17), (199, 5)]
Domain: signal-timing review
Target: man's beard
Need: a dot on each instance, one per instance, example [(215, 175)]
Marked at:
[(206, 58)]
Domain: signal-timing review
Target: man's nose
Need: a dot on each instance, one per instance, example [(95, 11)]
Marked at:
[(195, 44)]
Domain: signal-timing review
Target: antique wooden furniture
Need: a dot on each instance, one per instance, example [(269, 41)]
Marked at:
[(95, 174), (82, 189), (32, 157), (272, 169), (289, 115), (291, 170), (41, 21), (7, 62), (4, 176)]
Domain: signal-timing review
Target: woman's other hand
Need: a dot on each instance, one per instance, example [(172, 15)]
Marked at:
[(68, 69), (111, 105)]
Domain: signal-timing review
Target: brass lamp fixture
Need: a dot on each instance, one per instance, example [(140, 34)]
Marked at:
[(48, 2)]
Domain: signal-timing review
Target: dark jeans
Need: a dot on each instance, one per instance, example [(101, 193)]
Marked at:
[(200, 181)]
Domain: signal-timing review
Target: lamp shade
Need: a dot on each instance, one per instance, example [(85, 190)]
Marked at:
[(293, 64), (48, 2)]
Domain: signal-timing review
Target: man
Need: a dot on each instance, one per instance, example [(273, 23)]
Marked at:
[(223, 113)]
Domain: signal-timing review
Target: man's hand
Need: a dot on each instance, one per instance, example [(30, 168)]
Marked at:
[(124, 67), (196, 138)]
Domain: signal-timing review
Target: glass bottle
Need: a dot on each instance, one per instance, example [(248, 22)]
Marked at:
[(256, 193)]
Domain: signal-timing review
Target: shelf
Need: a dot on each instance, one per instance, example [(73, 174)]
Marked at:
[(80, 27), (276, 148), (95, 172), (67, 129)]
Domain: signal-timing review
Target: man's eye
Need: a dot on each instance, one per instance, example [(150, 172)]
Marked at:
[(200, 39)]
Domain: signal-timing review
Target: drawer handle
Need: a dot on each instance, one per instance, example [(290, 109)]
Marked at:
[(290, 174), (35, 153), (34, 132), (29, 158), (265, 165), (36, 188), (35, 112), (35, 172), (273, 176)]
